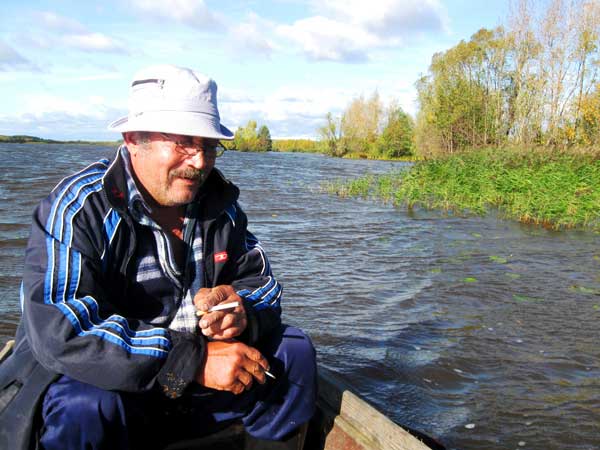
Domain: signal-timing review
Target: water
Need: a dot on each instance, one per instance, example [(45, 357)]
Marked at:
[(479, 331)]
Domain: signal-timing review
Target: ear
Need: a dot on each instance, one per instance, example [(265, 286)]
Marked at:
[(130, 138)]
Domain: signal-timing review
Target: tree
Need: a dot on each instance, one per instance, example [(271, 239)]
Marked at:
[(461, 98), (246, 138), (589, 122), (264, 139), (330, 135), (397, 138), (360, 125)]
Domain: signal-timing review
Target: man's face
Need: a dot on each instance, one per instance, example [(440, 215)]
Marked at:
[(170, 167)]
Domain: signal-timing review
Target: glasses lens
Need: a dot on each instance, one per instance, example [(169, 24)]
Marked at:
[(220, 150), (189, 147)]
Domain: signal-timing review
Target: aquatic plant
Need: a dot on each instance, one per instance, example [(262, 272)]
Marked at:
[(553, 189)]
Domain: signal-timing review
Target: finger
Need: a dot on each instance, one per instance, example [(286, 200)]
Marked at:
[(246, 379), (200, 298), (207, 298), (229, 333), (229, 321), (208, 320), (217, 331), (255, 370), (259, 373), (256, 356), (219, 294), (222, 323), (237, 387), (222, 320)]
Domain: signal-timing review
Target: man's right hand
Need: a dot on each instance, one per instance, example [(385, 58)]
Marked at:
[(231, 366)]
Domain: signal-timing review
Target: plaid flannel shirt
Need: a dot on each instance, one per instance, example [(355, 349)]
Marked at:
[(154, 263)]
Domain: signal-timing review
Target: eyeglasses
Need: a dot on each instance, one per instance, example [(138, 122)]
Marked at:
[(188, 146)]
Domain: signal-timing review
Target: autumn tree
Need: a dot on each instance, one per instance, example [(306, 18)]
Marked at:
[(264, 139), (330, 135), (247, 139), (360, 125), (589, 120), (521, 84), (397, 137)]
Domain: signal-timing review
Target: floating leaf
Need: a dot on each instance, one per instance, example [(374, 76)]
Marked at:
[(436, 270), (514, 276), (587, 290), (596, 258), (524, 298), (470, 280), (498, 259), (476, 235), (582, 289), (597, 307)]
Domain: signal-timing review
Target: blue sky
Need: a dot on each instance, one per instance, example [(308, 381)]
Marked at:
[(65, 66)]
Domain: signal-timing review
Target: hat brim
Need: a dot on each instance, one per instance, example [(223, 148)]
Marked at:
[(174, 122)]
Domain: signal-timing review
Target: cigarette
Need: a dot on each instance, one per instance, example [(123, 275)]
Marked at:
[(269, 374), (219, 308)]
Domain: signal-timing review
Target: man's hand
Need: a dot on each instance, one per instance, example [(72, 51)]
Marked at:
[(231, 366), (221, 324)]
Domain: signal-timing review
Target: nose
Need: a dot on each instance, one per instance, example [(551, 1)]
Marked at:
[(199, 160)]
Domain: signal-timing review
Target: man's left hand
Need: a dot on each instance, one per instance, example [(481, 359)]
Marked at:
[(225, 324)]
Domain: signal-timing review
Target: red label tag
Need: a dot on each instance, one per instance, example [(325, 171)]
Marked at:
[(221, 257)]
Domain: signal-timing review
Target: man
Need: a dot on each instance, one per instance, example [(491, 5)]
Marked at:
[(118, 346)]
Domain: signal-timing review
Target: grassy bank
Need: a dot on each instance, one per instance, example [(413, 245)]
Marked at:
[(554, 189)]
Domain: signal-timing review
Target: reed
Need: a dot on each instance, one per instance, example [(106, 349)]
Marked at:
[(554, 189)]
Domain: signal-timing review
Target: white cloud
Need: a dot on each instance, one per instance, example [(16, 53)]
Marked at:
[(288, 111), (10, 59), (57, 117), (250, 36), (53, 21), (388, 17), (43, 104), (99, 76), (325, 39), (58, 125), (67, 32), (347, 30), (94, 42), (193, 13)]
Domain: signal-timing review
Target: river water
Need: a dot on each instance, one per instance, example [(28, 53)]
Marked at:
[(479, 331)]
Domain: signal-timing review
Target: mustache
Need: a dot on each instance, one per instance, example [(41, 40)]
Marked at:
[(190, 173)]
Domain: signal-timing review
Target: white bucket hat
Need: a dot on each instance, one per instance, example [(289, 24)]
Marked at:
[(171, 99)]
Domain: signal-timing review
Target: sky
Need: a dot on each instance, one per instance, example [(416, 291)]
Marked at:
[(66, 66)]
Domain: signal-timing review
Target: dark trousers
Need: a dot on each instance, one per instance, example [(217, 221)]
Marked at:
[(80, 416)]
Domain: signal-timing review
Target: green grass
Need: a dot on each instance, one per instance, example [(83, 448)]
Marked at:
[(554, 189)]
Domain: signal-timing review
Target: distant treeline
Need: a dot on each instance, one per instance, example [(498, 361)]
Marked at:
[(296, 145), (24, 139), (252, 138)]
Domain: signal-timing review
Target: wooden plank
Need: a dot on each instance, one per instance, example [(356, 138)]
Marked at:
[(356, 424)]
